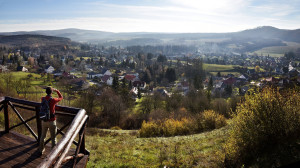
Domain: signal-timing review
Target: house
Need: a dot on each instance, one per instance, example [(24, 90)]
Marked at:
[(49, 69), (80, 83), (271, 80), (119, 72), (293, 73), (229, 81), (134, 91), (278, 70), (93, 74), (250, 71), (106, 72), (130, 77), (107, 79), (243, 77), (139, 84), (163, 92), (22, 68)]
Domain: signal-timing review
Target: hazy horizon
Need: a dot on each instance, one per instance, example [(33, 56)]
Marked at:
[(169, 16)]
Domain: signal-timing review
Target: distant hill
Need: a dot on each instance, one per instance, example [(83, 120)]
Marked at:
[(243, 41), (269, 32), (33, 40), (266, 32)]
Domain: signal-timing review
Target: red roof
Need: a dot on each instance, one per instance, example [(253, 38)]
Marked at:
[(229, 81), (129, 77)]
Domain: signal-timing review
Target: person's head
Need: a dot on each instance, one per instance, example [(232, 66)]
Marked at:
[(48, 90)]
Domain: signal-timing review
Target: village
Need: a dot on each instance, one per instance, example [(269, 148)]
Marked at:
[(92, 65)]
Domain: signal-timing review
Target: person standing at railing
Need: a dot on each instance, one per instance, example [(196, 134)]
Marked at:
[(51, 123)]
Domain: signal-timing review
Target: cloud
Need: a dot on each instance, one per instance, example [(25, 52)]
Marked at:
[(213, 6), (172, 16)]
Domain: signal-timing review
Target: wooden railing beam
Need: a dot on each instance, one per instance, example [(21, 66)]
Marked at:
[(81, 143), (6, 117), (12, 127), (23, 107), (38, 123), (60, 131), (71, 110), (69, 143), (21, 118)]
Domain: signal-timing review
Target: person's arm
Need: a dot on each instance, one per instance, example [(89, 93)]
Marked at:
[(60, 97)]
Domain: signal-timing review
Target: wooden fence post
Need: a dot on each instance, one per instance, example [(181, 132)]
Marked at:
[(82, 132), (6, 117), (38, 123)]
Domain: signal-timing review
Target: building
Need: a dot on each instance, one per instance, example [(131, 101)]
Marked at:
[(49, 69)]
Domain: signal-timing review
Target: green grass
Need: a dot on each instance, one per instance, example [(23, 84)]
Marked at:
[(112, 148), (278, 51), (226, 73), (217, 67), (36, 78)]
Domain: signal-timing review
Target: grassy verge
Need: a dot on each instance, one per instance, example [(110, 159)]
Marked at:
[(124, 149)]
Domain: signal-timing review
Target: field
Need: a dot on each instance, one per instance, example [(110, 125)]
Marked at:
[(37, 80), (213, 69), (114, 148), (278, 51), (217, 67)]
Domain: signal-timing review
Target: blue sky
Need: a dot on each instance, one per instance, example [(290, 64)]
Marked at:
[(148, 15)]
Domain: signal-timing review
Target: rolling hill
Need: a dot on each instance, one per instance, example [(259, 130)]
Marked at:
[(250, 40)]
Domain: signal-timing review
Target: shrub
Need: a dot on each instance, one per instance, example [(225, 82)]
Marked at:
[(167, 127), (265, 122), (220, 106), (209, 119), (173, 127), (116, 128), (150, 129)]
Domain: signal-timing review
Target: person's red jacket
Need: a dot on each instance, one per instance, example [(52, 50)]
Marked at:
[(53, 102)]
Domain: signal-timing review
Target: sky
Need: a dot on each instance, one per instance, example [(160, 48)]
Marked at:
[(180, 16)]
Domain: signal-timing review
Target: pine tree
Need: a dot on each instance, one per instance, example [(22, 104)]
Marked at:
[(115, 83)]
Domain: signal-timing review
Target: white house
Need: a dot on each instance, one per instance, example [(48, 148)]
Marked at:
[(22, 68), (107, 73), (49, 69)]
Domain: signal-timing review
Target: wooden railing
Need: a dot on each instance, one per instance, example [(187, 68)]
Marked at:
[(76, 127)]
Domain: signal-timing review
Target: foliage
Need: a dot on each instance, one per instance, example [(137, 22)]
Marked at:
[(150, 129), (209, 119), (265, 123), (116, 128), (2, 119), (167, 127), (171, 127), (220, 106)]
